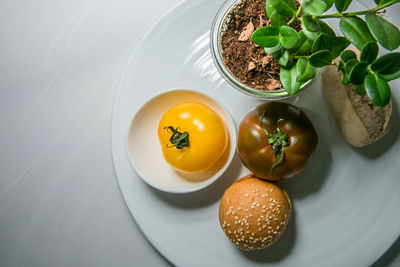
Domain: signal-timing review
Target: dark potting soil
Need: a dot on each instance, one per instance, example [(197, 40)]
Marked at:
[(247, 61)]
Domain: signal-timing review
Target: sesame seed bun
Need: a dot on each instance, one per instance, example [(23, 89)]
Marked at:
[(253, 213)]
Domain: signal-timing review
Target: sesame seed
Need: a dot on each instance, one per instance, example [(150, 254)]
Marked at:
[(272, 190), (246, 195)]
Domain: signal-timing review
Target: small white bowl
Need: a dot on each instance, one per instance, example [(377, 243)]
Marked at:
[(144, 150)]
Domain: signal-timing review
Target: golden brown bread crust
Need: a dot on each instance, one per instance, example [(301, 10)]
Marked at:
[(253, 213)]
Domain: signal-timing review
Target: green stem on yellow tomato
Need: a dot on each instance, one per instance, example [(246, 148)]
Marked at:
[(177, 139)]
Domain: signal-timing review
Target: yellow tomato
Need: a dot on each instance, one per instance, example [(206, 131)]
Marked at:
[(193, 137)]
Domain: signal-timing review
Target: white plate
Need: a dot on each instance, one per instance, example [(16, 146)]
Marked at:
[(150, 163), (345, 205)]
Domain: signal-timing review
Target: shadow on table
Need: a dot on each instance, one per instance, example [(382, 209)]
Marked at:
[(208, 195), (389, 256), (378, 148), (280, 249), (316, 173)]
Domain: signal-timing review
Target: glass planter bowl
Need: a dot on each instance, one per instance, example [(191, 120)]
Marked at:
[(217, 28)]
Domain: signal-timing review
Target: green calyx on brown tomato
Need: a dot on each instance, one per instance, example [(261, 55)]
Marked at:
[(276, 140)]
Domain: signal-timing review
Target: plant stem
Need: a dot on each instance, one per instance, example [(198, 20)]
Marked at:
[(290, 22), (362, 12)]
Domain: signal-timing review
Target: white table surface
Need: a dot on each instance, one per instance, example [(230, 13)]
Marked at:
[(60, 64)]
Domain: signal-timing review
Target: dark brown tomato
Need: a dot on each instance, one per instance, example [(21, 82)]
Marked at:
[(257, 153)]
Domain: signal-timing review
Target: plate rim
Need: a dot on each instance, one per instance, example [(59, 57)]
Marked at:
[(132, 54)]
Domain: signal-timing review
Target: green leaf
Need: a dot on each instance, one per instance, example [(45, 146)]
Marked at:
[(311, 34), (388, 64), (369, 52), (389, 77), (310, 24), (387, 34), (277, 20), (303, 45), (271, 50), (358, 73), (269, 8), (286, 8), (326, 29), (349, 66), (346, 55), (288, 80), (344, 80), (277, 55), (314, 7), (381, 2), (313, 27), (266, 36), (360, 89), (377, 89), (340, 65), (284, 59), (329, 3), (334, 44), (289, 37), (356, 31), (304, 70), (321, 58), (342, 5)]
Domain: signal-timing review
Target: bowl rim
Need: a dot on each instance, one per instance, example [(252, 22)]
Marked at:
[(216, 53), (232, 134)]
